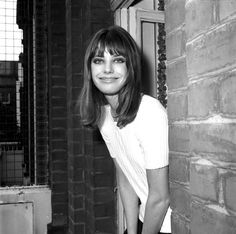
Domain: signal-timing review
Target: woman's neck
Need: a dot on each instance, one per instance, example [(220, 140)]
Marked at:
[(113, 102)]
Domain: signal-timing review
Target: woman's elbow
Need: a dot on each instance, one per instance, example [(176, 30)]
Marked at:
[(166, 201), (163, 201)]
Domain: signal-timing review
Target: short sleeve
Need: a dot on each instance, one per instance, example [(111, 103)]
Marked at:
[(153, 133)]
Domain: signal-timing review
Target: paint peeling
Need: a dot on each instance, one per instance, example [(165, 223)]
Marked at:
[(205, 162), (214, 119), (218, 209)]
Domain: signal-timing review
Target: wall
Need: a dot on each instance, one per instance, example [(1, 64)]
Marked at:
[(201, 62), (91, 176), (80, 172), (58, 165), (38, 216), (41, 87)]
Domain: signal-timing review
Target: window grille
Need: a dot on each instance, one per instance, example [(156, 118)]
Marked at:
[(13, 161)]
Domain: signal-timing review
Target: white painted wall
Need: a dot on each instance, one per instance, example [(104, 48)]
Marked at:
[(39, 197)]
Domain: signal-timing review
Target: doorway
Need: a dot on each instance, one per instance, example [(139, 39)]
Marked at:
[(142, 20)]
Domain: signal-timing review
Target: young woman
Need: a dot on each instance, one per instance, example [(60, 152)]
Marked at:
[(133, 125)]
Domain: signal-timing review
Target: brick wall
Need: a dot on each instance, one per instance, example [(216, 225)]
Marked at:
[(91, 174), (77, 165), (57, 115), (80, 173), (201, 62), (41, 75)]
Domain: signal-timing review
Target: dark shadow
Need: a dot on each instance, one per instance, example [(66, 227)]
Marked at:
[(147, 79), (135, 2)]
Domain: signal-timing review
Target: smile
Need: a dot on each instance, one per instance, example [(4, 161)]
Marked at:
[(108, 79)]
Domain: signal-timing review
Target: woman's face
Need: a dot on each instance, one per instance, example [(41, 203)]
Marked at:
[(109, 73)]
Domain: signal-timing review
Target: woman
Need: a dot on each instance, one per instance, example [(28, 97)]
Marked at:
[(134, 127)]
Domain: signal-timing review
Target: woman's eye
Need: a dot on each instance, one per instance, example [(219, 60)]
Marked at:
[(97, 60), (119, 60)]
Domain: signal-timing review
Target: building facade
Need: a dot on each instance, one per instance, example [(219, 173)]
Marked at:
[(74, 163)]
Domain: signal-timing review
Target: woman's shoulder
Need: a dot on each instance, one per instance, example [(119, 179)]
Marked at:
[(151, 114), (151, 104)]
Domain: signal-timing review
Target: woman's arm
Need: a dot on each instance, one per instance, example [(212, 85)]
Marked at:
[(158, 200), (129, 200)]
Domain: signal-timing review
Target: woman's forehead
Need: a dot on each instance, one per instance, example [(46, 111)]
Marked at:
[(106, 53), (109, 50)]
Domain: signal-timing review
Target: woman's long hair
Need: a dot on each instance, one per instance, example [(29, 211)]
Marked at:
[(119, 42)]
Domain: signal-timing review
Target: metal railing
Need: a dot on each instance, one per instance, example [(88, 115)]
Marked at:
[(11, 164)]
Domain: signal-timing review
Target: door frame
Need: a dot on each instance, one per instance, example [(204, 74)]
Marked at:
[(131, 18)]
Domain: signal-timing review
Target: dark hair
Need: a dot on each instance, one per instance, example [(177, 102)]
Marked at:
[(116, 41)]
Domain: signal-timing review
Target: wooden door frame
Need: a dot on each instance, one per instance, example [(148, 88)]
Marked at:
[(131, 18), (115, 4)]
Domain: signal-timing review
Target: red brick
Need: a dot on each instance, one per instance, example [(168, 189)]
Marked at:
[(59, 219), (175, 44), (58, 59), (100, 4), (227, 8), (208, 220), (174, 14), (58, 74), (78, 188), (213, 50), (76, 134), (103, 164), (79, 216), (100, 149), (88, 148), (58, 91), (204, 176), (102, 195), (60, 121), (179, 168), (179, 138), (76, 148), (176, 74), (59, 165), (103, 180), (78, 175), (58, 187), (229, 186), (59, 176), (104, 209), (77, 79), (177, 106), (59, 207), (100, 15), (60, 197), (77, 67), (228, 95), (58, 133), (203, 98), (58, 155), (105, 225), (199, 16), (58, 101), (59, 145), (78, 228), (79, 29)]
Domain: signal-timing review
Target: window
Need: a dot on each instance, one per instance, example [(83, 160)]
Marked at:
[(14, 168)]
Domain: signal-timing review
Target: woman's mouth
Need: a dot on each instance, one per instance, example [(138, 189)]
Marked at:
[(108, 79)]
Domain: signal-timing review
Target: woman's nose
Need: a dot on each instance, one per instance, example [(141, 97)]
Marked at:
[(108, 67)]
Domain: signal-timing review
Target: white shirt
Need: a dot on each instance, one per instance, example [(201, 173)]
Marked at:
[(140, 145)]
